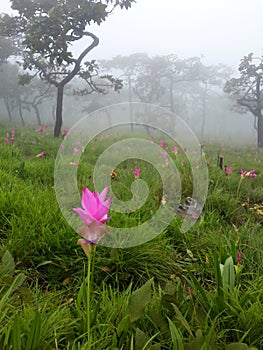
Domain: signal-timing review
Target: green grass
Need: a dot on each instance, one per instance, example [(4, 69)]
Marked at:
[(184, 307)]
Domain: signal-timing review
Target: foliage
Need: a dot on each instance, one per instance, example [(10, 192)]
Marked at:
[(247, 90), (47, 30), (179, 291)]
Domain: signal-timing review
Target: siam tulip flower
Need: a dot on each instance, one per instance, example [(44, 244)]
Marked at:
[(94, 214), (94, 209), (75, 150), (41, 128), (163, 144), (40, 155), (252, 173), (12, 139), (228, 170), (239, 257), (6, 141), (243, 173), (13, 131), (136, 173), (176, 149), (163, 200), (7, 134)]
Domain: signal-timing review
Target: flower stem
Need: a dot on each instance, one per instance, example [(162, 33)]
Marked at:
[(88, 300)]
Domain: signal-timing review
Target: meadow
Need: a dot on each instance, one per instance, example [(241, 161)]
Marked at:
[(202, 289)]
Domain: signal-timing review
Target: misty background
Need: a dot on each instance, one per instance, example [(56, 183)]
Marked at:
[(199, 43)]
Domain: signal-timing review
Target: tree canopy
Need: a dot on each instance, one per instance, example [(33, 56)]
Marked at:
[(247, 90), (48, 28)]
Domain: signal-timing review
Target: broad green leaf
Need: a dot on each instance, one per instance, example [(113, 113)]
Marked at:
[(228, 277), (141, 339), (138, 300), (181, 318), (7, 267)]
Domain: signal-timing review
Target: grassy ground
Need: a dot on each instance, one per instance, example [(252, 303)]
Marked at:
[(169, 293)]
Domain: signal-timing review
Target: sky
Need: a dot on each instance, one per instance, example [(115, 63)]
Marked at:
[(223, 31)]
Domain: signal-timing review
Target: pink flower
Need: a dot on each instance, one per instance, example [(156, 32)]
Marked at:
[(12, 139), (176, 149), (74, 164), (41, 128), (243, 173), (75, 150), (94, 213), (163, 144), (136, 173), (239, 257), (41, 154), (228, 170), (13, 131), (95, 208), (7, 134), (6, 141), (250, 173)]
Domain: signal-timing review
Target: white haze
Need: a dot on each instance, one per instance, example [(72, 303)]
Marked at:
[(221, 30)]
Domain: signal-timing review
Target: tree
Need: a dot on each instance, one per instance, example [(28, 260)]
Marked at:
[(247, 91), (7, 49), (48, 28)]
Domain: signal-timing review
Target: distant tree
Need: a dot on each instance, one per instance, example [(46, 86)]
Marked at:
[(247, 91), (48, 29), (7, 48)]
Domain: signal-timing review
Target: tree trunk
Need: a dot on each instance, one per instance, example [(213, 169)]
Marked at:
[(130, 100), (204, 112), (6, 101), (58, 123), (37, 115), (260, 131), (20, 113)]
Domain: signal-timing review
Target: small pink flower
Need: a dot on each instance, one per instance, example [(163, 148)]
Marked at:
[(41, 128), (136, 173), (13, 132), (163, 144), (12, 139), (75, 150), (40, 155), (176, 149), (74, 164), (239, 257), (228, 170), (7, 134), (6, 141), (252, 173), (243, 173), (93, 148), (78, 143)]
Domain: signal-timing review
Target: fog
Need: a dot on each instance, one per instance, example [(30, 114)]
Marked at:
[(217, 32)]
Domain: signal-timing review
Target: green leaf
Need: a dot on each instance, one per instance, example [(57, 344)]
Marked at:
[(238, 346), (181, 318), (138, 300), (7, 268), (16, 333), (124, 325), (33, 339), (176, 336), (228, 275), (141, 339)]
